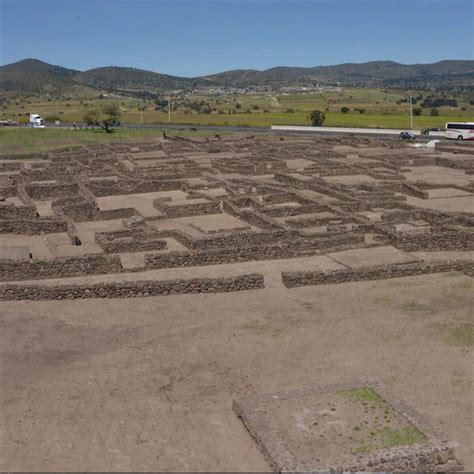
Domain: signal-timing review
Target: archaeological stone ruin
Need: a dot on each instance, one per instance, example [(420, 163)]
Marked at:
[(174, 216)]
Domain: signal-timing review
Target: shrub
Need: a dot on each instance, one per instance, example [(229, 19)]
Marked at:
[(417, 111), (344, 110), (434, 112), (317, 118)]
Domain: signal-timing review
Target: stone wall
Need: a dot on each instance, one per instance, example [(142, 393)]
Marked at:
[(441, 239), (10, 211), (109, 214), (378, 272), (132, 289), (48, 191), (254, 218), (11, 270), (8, 191), (185, 210), (268, 251), (134, 240), (47, 225), (293, 181), (132, 187), (319, 221), (293, 210), (72, 232), (414, 458), (80, 208)]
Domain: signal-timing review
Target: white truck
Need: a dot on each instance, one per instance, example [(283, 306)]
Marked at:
[(36, 121)]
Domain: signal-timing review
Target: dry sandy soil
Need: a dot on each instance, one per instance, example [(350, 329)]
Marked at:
[(148, 384)]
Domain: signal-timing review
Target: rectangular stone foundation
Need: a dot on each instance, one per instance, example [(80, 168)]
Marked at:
[(282, 448)]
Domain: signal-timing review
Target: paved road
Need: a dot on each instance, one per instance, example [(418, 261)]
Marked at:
[(242, 129)]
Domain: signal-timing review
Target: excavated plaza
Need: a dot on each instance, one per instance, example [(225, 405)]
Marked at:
[(208, 304)]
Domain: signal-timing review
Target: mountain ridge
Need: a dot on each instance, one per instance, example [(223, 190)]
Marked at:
[(35, 76)]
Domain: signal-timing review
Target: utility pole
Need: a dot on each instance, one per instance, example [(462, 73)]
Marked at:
[(169, 109), (411, 113)]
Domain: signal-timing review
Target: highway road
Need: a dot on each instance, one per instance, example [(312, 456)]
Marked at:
[(244, 129)]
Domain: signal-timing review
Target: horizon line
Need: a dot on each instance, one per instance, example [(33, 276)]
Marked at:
[(236, 69)]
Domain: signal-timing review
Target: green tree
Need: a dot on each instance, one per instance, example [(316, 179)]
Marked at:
[(434, 112), (106, 118), (317, 118)]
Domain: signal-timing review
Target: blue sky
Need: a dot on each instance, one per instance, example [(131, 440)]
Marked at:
[(197, 37)]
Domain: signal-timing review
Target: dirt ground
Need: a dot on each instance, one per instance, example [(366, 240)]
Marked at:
[(102, 385)]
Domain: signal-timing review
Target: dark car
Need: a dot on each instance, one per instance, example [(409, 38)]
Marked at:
[(426, 131), (407, 136)]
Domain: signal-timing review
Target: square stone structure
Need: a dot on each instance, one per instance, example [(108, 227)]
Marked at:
[(350, 427)]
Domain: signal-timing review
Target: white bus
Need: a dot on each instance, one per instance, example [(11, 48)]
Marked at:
[(460, 130)]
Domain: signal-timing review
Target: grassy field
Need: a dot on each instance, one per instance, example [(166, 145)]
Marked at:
[(17, 141), (382, 108)]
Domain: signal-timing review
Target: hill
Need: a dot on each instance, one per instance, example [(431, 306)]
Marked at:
[(375, 73), (115, 77), (31, 76)]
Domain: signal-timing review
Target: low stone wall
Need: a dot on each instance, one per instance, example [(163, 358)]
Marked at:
[(78, 208), (135, 240), (235, 254), (378, 272), (109, 214), (319, 221), (8, 191), (12, 166), (10, 211), (293, 181), (435, 240), (414, 458), (48, 225), (134, 289), (185, 210), (254, 218), (414, 191), (72, 232), (132, 187), (293, 210), (48, 191), (11, 270)]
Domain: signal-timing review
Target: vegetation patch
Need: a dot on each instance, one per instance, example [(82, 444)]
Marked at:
[(364, 448), (462, 335), (452, 274), (366, 394), (404, 437)]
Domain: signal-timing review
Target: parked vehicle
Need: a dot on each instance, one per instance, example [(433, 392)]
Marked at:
[(407, 136), (36, 121), (460, 130)]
